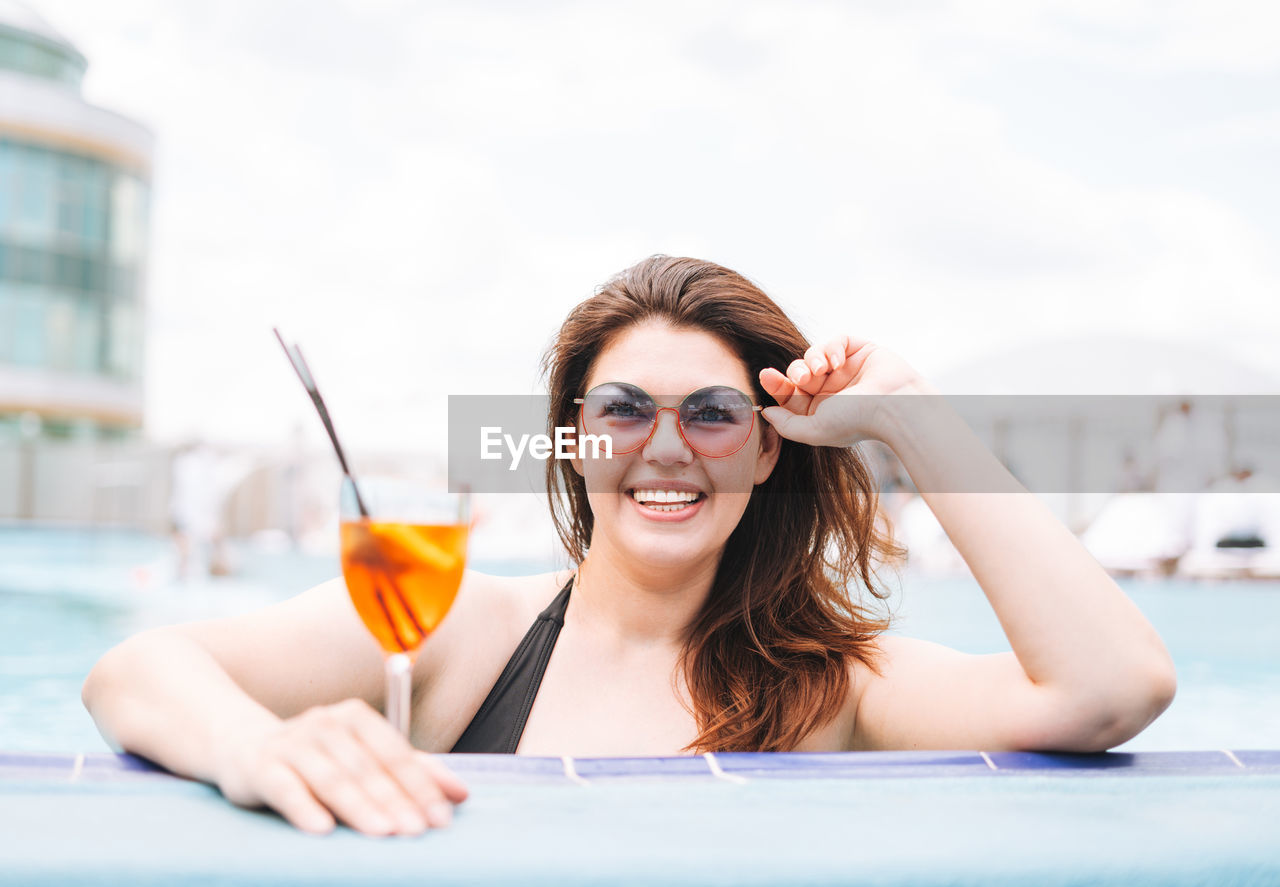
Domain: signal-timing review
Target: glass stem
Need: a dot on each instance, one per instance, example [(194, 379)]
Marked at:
[(399, 691)]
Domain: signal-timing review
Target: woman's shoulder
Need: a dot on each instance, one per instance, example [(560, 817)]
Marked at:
[(491, 610), (874, 671), (464, 656), (521, 595)]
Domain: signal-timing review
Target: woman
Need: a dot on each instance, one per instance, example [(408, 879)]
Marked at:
[(709, 608)]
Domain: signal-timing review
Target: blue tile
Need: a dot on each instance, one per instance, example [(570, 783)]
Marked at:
[(1261, 758), (838, 765), (124, 768), (1031, 760), (957, 758), (93, 768), (1136, 763), (506, 768), (1182, 761), (645, 769), (121, 763), (33, 761), (512, 769), (27, 766)]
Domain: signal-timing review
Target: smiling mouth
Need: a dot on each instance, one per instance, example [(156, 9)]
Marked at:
[(665, 500)]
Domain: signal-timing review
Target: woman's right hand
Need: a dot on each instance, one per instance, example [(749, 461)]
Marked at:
[(345, 763)]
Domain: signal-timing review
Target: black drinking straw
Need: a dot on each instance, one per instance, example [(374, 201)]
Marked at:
[(294, 353)]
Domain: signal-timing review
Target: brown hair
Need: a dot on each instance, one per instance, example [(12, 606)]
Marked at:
[(767, 658)]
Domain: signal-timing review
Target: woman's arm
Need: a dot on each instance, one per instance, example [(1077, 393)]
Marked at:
[(275, 708), (1087, 671), (1077, 637)]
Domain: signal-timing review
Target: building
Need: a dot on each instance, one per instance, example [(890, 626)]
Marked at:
[(74, 197), (1079, 419)]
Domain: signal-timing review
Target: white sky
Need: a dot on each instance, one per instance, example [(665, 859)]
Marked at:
[(417, 193)]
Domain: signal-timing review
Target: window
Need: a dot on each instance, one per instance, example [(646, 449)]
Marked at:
[(123, 346), (128, 220), (87, 337), (27, 346), (8, 323), (60, 323), (34, 188)]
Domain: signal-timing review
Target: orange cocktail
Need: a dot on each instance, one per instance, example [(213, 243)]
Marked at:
[(404, 547), (402, 577)]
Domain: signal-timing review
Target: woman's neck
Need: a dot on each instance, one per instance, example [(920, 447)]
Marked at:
[(635, 605)]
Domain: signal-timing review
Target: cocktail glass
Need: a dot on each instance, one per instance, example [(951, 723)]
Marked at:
[(404, 547)]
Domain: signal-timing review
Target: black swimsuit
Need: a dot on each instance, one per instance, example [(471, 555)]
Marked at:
[(500, 721)]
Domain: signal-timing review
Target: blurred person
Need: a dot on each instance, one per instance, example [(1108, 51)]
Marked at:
[(195, 509), (714, 602), (1131, 478), (1189, 451), (1191, 448)]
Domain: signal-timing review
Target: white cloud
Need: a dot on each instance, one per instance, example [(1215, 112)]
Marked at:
[(418, 193)]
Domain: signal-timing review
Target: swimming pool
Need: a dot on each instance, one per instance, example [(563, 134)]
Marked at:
[(870, 818), (67, 596), (903, 818)]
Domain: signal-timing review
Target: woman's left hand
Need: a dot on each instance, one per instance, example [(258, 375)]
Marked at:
[(814, 408)]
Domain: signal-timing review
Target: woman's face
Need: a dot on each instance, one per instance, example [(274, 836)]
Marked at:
[(670, 363)]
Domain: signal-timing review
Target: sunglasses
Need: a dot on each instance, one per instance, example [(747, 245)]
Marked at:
[(714, 421)]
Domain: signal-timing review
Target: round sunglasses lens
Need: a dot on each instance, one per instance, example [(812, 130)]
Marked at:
[(623, 412), (717, 421)]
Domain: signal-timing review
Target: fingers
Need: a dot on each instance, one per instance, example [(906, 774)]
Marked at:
[(836, 352), (825, 368), (428, 784), (284, 791), (840, 378), (810, 372), (376, 779), (779, 386), (454, 789), (832, 354), (338, 789), (803, 376), (818, 360), (345, 763), (792, 426), (784, 391)]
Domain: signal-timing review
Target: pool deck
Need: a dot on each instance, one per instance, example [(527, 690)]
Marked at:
[(880, 818)]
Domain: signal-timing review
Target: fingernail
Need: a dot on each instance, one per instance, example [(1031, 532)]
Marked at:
[(441, 813), (412, 823), (319, 825)]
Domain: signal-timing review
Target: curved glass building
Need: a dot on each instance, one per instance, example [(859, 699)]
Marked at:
[(74, 196)]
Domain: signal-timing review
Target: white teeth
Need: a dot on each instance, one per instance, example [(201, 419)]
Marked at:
[(653, 497), (677, 506)]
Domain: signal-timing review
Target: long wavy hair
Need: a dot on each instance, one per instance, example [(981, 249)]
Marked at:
[(767, 658)]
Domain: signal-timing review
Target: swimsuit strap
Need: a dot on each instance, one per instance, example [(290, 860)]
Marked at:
[(499, 723)]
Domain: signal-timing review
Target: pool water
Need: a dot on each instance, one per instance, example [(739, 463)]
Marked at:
[(1224, 638), (67, 597)]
